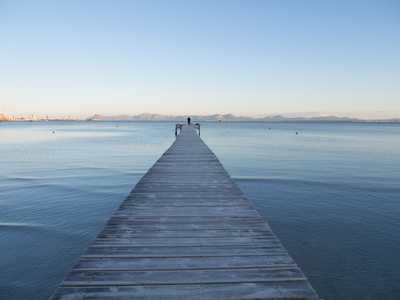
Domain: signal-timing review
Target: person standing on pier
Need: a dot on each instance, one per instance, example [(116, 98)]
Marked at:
[(189, 119)]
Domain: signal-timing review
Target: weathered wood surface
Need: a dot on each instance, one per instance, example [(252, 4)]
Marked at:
[(186, 231)]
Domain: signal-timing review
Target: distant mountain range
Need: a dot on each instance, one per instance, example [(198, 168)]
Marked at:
[(230, 117)]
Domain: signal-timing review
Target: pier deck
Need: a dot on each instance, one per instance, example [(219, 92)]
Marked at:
[(186, 231)]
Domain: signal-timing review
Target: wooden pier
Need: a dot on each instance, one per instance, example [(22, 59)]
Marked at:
[(186, 231)]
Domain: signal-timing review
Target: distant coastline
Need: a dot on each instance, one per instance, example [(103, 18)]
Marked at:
[(200, 118), (232, 118), (45, 120)]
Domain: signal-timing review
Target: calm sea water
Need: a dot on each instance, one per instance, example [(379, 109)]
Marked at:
[(331, 193)]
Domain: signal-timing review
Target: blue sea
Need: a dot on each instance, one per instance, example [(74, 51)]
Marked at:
[(329, 191)]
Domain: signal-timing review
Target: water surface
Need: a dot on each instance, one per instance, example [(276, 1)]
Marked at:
[(329, 192)]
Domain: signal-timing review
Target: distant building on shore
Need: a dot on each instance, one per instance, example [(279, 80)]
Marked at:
[(32, 118), (3, 116)]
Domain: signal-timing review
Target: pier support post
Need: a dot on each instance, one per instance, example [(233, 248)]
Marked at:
[(178, 126)]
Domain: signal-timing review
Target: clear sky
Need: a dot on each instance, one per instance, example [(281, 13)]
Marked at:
[(250, 57)]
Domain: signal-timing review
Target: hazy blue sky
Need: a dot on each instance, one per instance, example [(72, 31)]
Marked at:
[(252, 58)]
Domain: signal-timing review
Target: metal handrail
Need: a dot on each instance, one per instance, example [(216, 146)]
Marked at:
[(179, 126)]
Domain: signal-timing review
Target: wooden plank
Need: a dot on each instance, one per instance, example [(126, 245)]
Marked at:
[(200, 241), (219, 213), (254, 290), (155, 217), (186, 231), (188, 263), (185, 251), (166, 208), (110, 233), (181, 202), (176, 225), (181, 276)]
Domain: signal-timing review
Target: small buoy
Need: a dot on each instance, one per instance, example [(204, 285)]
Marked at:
[(117, 125), (53, 131), (297, 132)]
